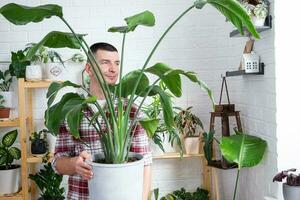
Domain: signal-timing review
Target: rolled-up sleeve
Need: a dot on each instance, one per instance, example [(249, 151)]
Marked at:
[(64, 146)]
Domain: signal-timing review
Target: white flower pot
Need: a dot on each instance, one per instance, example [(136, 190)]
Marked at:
[(258, 21), (291, 192), (117, 181), (54, 71), (10, 181), (8, 97), (34, 72), (192, 145)]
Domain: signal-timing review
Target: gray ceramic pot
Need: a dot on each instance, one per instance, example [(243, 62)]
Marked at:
[(291, 192), (117, 181)]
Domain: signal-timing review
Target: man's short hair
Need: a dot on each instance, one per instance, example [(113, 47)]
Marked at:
[(102, 46)]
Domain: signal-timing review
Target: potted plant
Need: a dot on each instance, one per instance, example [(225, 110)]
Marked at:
[(54, 66), (131, 86), (39, 143), (257, 9), (5, 83), (291, 188), (4, 111), (49, 183), (10, 180), (18, 65), (182, 194), (190, 127)]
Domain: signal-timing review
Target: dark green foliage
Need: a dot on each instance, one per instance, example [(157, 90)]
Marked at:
[(182, 194), (18, 65), (49, 183)]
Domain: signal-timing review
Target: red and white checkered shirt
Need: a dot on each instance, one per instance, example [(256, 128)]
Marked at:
[(68, 146)]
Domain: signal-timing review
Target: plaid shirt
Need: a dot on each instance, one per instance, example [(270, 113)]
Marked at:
[(68, 146)]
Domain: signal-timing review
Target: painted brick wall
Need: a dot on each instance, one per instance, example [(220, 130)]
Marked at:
[(199, 42)]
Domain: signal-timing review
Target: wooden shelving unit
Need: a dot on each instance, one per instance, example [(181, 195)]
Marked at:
[(9, 122), (17, 196)]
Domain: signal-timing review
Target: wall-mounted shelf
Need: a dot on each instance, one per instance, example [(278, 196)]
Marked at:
[(242, 72), (267, 26)]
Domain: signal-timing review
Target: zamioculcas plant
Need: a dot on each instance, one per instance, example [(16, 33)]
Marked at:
[(244, 150)]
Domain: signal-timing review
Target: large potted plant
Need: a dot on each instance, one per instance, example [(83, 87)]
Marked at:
[(117, 138), (291, 188), (10, 174)]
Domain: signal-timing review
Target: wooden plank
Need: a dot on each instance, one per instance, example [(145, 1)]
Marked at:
[(37, 158), (9, 122), (174, 155), (16, 196), (23, 137), (37, 84)]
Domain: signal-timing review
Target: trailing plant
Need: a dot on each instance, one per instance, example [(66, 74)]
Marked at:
[(244, 150), (292, 179), (117, 137), (49, 183), (8, 153), (5, 80)]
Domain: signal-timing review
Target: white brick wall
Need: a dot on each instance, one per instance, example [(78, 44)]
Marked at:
[(201, 43)]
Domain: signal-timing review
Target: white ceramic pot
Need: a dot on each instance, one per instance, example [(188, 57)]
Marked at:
[(258, 21), (117, 181), (34, 72), (192, 145), (291, 192), (54, 71), (10, 181), (8, 97)]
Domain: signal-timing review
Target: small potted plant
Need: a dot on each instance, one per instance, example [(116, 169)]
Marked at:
[(4, 111), (291, 188), (5, 83), (257, 9), (39, 143), (49, 183), (10, 180), (190, 126)]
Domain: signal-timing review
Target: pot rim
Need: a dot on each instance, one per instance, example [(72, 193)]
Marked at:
[(15, 166)]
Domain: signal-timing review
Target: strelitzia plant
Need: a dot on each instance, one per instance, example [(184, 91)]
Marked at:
[(116, 139)]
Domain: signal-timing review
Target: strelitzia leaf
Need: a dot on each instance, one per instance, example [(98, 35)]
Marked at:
[(150, 125), (21, 15)]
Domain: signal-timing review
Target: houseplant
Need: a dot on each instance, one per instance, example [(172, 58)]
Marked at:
[(5, 83), (49, 183), (182, 194), (257, 9), (18, 65), (116, 141), (291, 188), (190, 127), (10, 173), (39, 143), (4, 111)]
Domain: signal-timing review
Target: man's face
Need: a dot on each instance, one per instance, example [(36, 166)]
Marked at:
[(109, 65)]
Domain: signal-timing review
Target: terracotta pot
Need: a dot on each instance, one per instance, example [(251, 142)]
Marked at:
[(4, 112)]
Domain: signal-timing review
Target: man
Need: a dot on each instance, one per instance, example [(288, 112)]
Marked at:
[(70, 154)]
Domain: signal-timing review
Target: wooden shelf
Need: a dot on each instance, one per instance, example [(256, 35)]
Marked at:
[(17, 196), (9, 122), (37, 84), (176, 155), (37, 158)]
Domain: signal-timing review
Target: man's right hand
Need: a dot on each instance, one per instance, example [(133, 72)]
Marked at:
[(81, 167)]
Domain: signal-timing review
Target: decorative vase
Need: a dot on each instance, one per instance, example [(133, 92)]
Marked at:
[(38, 147), (4, 113), (258, 21), (54, 71), (34, 72), (291, 192), (117, 181), (10, 181), (192, 145)]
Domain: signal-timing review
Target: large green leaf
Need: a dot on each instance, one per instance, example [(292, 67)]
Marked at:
[(21, 15), (129, 81), (15, 153), (56, 39), (74, 116), (9, 138), (166, 105), (235, 13), (170, 77), (55, 87), (150, 125), (245, 150), (145, 18)]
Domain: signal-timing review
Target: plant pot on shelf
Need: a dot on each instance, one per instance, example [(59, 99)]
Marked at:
[(8, 99), (38, 147), (127, 177), (10, 181), (4, 113), (54, 71), (258, 21), (192, 145), (290, 192), (34, 72)]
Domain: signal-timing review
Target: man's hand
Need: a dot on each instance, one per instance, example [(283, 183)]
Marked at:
[(81, 167)]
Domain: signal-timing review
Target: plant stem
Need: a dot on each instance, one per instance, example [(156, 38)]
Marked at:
[(236, 183)]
